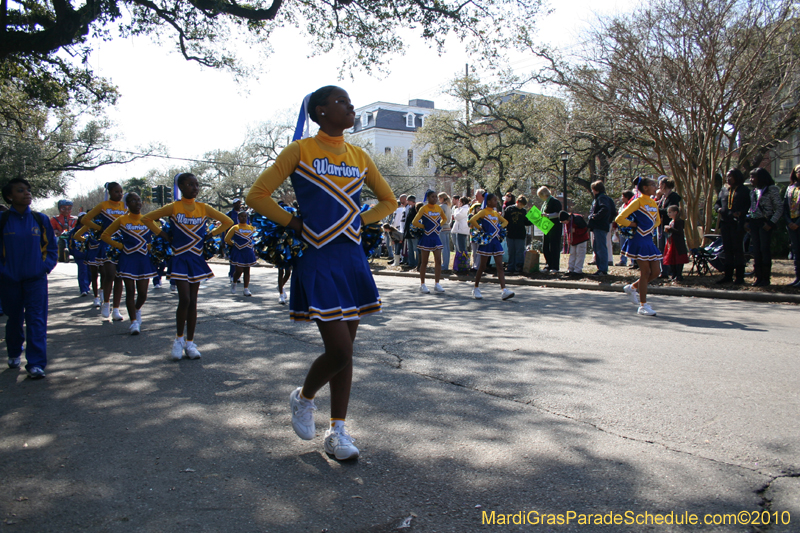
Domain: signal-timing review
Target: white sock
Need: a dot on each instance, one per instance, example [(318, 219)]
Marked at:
[(337, 425)]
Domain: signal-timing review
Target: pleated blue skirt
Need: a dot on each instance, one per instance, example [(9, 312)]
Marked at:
[(333, 283)]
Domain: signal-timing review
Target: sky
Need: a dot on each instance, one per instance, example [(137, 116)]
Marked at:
[(191, 110)]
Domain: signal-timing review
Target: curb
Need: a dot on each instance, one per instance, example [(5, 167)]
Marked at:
[(747, 296)]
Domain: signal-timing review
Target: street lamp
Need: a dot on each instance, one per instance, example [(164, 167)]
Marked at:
[(565, 158)]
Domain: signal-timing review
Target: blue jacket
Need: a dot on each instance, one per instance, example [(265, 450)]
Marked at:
[(24, 253)]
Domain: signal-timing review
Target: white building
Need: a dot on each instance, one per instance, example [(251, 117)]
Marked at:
[(389, 127)]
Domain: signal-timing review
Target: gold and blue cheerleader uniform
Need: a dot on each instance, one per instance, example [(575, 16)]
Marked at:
[(240, 241), (108, 211), (92, 248), (644, 211), (490, 222), (188, 223), (332, 279), (429, 218), (134, 261)]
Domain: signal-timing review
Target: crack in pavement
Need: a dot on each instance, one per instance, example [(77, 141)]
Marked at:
[(760, 492), (765, 501)]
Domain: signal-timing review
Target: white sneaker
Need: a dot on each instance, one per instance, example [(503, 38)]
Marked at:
[(105, 310), (116, 316), (340, 445), (97, 303), (134, 329), (139, 316), (423, 289), (646, 310), (507, 293), (233, 287), (282, 298), (177, 349), (302, 415), (476, 293), (247, 292), (632, 293), (438, 288), (173, 288), (156, 285), (191, 350)]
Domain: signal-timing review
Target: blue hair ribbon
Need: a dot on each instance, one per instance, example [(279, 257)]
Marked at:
[(303, 127)]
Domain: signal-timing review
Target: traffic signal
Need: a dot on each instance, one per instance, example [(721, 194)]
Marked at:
[(154, 196), (167, 195)]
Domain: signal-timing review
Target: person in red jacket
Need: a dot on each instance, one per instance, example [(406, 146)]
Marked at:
[(62, 224), (578, 232)]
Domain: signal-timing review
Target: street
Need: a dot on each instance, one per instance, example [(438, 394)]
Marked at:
[(555, 401)]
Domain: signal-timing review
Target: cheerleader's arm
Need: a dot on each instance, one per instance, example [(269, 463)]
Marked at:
[(417, 222), (230, 234), (260, 195), (89, 218), (387, 203), (78, 236), (474, 222), (622, 218), (110, 231), (150, 218), (221, 217)]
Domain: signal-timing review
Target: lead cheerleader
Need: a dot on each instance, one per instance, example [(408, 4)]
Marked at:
[(135, 266), (108, 210), (331, 283), (189, 267), (430, 218), (242, 256), (490, 222)]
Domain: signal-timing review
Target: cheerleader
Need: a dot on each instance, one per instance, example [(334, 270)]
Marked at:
[(331, 283), (489, 221), (430, 219), (92, 248), (189, 267), (135, 265), (644, 218), (242, 256), (78, 252), (108, 211)]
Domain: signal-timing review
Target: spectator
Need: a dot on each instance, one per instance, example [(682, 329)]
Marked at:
[(665, 197), (515, 238), (409, 234), (791, 211), (766, 209), (508, 200), (675, 252), (733, 204), (578, 236), (28, 252), (62, 224), (552, 241), (626, 198), (444, 235), (603, 211), (398, 222), (460, 226)]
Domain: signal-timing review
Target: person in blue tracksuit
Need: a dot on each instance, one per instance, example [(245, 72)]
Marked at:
[(78, 251), (28, 252)]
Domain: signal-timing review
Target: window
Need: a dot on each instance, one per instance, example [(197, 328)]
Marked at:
[(387, 150), (410, 158), (422, 121), (410, 120), (366, 118)]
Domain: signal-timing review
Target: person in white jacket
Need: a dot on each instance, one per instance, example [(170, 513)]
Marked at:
[(460, 226)]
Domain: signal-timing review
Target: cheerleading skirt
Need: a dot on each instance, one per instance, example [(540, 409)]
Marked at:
[(91, 255), (102, 255), (641, 247), (495, 247), (244, 257), (189, 267), (135, 266), (430, 242), (333, 283)]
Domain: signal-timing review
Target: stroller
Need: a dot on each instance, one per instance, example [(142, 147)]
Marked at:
[(704, 258)]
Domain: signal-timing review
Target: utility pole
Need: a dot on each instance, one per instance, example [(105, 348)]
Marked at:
[(466, 118)]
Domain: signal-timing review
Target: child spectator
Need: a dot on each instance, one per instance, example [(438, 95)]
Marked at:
[(676, 254), (578, 234)]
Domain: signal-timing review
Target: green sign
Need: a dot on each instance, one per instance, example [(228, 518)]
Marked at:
[(539, 220)]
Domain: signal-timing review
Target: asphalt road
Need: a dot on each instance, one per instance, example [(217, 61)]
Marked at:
[(556, 401)]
